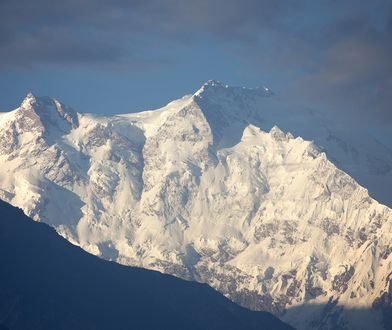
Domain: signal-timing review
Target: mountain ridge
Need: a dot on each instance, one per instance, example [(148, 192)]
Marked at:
[(196, 189)]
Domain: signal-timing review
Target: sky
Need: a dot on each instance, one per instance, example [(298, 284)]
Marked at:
[(121, 56)]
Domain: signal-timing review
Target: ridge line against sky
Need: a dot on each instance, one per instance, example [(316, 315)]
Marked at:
[(123, 56)]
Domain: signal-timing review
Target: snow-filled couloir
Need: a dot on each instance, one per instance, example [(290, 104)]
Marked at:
[(210, 188)]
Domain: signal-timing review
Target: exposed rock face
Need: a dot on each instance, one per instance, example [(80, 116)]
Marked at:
[(196, 189)]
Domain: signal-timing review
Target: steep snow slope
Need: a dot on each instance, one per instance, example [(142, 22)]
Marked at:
[(47, 283), (196, 189)]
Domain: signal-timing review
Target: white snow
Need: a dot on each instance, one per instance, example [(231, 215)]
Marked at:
[(212, 187)]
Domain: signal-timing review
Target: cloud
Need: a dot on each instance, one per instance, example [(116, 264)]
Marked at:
[(90, 31), (58, 32), (351, 65), (330, 51)]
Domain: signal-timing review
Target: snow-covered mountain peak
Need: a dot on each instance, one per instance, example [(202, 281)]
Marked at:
[(35, 103), (214, 88), (29, 100), (251, 131), (277, 133), (229, 109), (48, 111), (225, 109), (210, 187)]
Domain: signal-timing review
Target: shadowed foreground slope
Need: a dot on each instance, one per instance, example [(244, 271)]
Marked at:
[(47, 283)]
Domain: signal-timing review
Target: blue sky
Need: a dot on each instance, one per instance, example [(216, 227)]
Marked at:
[(123, 56)]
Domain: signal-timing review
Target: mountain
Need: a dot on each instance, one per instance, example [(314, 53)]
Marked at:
[(214, 188), (48, 283)]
